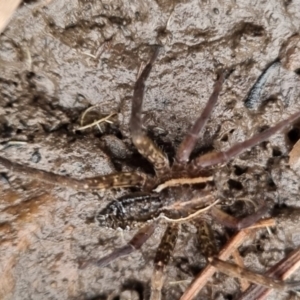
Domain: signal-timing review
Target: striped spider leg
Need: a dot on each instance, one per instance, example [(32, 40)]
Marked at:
[(126, 179), (144, 144)]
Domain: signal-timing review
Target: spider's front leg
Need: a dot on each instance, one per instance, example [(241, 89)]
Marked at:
[(190, 140), (142, 142), (214, 158), (127, 179)]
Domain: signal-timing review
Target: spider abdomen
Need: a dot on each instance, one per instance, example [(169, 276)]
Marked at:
[(130, 210)]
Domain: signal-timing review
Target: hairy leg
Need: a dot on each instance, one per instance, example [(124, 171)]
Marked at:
[(238, 223), (214, 158), (162, 259), (206, 238), (145, 146), (101, 182), (190, 140), (135, 243)]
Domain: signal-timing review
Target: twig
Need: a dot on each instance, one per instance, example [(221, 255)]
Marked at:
[(200, 281), (16, 143), (105, 46), (85, 113), (106, 119), (282, 270), (236, 271), (239, 261), (13, 143)]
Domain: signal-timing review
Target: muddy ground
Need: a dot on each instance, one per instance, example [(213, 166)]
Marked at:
[(57, 58)]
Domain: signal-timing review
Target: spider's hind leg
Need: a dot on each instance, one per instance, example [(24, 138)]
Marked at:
[(206, 238), (134, 244), (162, 259), (239, 223), (142, 142)]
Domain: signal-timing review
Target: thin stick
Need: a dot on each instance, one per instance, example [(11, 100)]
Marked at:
[(86, 111), (106, 119), (236, 271), (16, 143), (239, 261), (282, 270), (200, 281)]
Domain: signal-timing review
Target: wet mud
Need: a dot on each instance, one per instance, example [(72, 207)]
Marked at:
[(58, 58)]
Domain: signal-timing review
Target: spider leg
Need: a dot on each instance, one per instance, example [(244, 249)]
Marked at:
[(142, 142), (206, 238), (162, 258), (101, 182), (238, 223), (189, 142), (213, 158), (135, 243)]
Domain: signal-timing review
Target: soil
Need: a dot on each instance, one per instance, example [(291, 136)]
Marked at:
[(57, 58)]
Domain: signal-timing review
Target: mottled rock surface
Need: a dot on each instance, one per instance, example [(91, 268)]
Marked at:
[(58, 57)]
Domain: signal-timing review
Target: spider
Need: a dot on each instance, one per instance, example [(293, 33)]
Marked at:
[(157, 197)]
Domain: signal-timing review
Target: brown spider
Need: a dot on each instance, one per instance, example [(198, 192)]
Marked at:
[(156, 199)]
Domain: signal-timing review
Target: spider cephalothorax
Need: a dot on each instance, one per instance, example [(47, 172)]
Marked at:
[(158, 196)]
